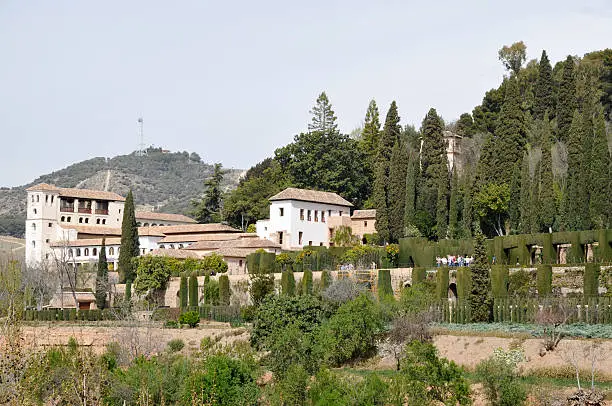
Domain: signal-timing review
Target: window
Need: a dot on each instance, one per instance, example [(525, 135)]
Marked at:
[(52, 199), (365, 223), (33, 244), (309, 216), (302, 214), (316, 216), (329, 213), (63, 218), (37, 198), (320, 244), (180, 245), (111, 251), (172, 246), (162, 246), (103, 221), (33, 226), (70, 253), (94, 252), (340, 213), (32, 198), (50, 224), (80, 219), (35, 211), (310, 243), (280, 237), (86, 252), (281, 211), (322, 216), (97, 221), (46, 256), (68, 219), (240, 263), (46, 198), (47, 241), (78, 252), (145, 225), (300, 235), (86, 220)]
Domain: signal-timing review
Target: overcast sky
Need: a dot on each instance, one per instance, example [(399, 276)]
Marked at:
[(232, 81)]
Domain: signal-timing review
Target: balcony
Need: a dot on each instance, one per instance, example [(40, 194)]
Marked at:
[(67, 209), (102, 211), (85, 210)]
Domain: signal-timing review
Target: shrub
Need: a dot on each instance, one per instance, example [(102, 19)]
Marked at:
[(183, 292), (384, 284), (343, 290), (326, 280), (544, 280), (248, 313), (191, 318), (211, 291), (262, 285), (500, 380), (171, 324), (224, 290), (193, 291), (591, 280), (176, 345), (287, 283), (307, 282), (292, 390)]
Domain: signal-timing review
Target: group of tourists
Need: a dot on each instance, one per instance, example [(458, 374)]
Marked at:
[(454, 260)]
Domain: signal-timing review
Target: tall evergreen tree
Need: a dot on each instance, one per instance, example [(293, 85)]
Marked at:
[(323, 117), (481, 302), (514, 205), (599, 187), (391, 135), (535, 199), (208, 209), (547, 206), (102, 277), (397, 190), (567, 99), (453, 208), (510, 135), (544, 96), (525, 204), (130, 246), (575, 197), (434, 164), (370, 135), (442, 204), (467, 217), (412, 173)]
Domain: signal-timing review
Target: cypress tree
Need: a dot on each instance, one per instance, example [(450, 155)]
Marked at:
[(411, 181), (384, 288), (453, 209), (326, 280), (207, 292), (193, 291), (224, 290), (467, 217), (102, 278), (485, 168), (307, 282), (510, 135), (567, 99), (480, 295), (128, 293), (547, 205), (525, 203), (391, 135), (183, 293), (397, 191), (544, 97), (514, 205), (287, 283), (130, 246), (370, 135), (442, 206), (434, 165), (575, 197), (599, 187), (535, 200)]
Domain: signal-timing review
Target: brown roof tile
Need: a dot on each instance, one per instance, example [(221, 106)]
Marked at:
[(234, 252), (180, 254), (87, 242), (364, 214), (307, 195), (94, 230), (78, 193), (206, 237), (196, 228), (256, 243), (151, 215), (150, 232)]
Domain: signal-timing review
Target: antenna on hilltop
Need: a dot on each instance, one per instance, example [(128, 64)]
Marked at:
[(141, 145)]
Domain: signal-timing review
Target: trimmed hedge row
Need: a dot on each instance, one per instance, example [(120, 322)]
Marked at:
[(384, 284), (224, 314), (69, 315)]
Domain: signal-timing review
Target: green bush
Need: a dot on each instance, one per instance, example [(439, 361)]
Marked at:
[(499, 281), (500, 380), (384, 284), (326, 279), (176, 345), (248, 313), (224, 290), (307, 282), (262, 285), (193, 291), (544, 280), (287, 283), (183, 295), (190, 318), (591, 280), (442, 279), (418, 275)]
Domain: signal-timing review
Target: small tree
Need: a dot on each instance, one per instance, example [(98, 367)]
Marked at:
[(385, 290), (552, 317), (130, 246), (326, 280), (102, 278), (183, 296), (307, 282), (481, 303), (193, 291), (224, 290), (288, 283)]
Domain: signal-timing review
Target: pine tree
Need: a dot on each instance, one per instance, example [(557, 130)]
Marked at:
[(391, 135), (547, 205), (480, 299), (208, 209), (453, 209), (411, 189), (510, 135), (525, 203), (370, 135), (442, 204), (434, 164), (323, 117), (130, 246), (397, 191), (599, 187), (544, 97), (102, 278), (514, 205), (567, 99)]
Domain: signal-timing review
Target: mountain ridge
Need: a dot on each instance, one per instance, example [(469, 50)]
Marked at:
[(160, 180)]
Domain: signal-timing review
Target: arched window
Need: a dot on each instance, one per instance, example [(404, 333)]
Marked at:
[(78, 252), (86, 252), (68, 219), (103, 221), (52, 199), (70, 253), (111, 251), (63, 218), (46, 198), (97, 221), (32, 198), (33, 244), (80, 219), (33, 226), (86, 220), (35, 211), (145, 225), (162, 246), (94, 252), (154, 224), (37, 198), (138, 224), (180, 245), (172, 246)]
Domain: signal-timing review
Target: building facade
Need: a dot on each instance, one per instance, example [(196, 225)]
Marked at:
[(300, 217)]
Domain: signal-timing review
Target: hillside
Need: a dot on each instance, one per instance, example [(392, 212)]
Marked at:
[(164, 181)]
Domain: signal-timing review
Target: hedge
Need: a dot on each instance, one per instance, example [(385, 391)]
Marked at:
[(287, 283), (464, 282), (418, 274), (576, 252), (442, 277), (590, 287), (183, 293), (69, 315), (384, 287), (224, 290), (225, 314), (544, 280), (499, 281), (326, 280), (193, 291), (307, 282)]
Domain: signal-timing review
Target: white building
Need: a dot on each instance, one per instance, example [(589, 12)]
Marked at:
[(52, 213), (300, 217)]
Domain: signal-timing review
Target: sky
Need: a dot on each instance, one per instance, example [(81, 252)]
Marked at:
[(234, 80)]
